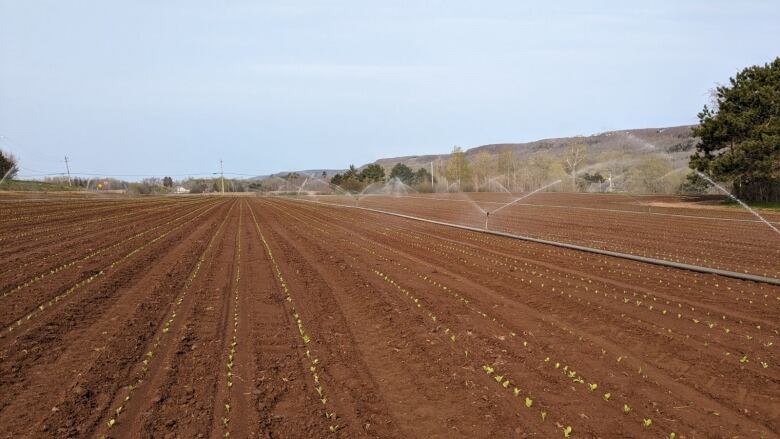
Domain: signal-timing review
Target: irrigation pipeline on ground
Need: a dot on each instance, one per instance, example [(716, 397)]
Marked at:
[(697, 268)]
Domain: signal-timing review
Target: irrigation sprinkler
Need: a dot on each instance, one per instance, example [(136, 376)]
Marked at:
[(487, 213)]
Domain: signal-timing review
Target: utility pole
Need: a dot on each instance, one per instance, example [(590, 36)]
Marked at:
[(67, 168), (222, 175), (431, 174)]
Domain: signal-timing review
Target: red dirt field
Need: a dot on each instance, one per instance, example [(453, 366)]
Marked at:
[(664, 227), (276, 318)]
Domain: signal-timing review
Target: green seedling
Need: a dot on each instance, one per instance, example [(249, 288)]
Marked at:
[(567, 431)]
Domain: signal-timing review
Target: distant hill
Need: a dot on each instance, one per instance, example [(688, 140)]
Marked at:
[(305, 173), (675, 143), (622, 156)]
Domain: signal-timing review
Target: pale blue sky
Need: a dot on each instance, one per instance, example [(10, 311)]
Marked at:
[(170, 87)]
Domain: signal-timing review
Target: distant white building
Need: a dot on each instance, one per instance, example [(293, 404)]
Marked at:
[(181, 190)]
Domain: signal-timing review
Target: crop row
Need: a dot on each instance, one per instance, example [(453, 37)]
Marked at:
[(72, 223), (145, 364), (99, 251), (450, 334), (729, 250), (68, 210), (34, 236), (648, 302), (59, 297), (674, 282), (621, 359), (313, 361), (63, 238), (231, 355), (742, 362), (568, 372), (418, 304)]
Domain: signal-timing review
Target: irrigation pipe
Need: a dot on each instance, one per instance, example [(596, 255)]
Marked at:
[(654, 261)]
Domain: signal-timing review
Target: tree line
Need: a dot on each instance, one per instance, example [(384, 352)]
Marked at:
[(504, 171)]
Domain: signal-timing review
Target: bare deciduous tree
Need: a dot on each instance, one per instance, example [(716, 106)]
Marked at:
[(481, 169), (572, 157)]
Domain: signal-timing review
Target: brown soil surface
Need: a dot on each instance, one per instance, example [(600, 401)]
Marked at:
[(672, 228), (275, 318)]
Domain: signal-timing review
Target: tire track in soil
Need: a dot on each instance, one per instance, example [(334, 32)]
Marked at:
[(420, 258), (407, 366), (145, 391), (101, 332)]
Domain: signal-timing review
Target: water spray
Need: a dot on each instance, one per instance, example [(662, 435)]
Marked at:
[(487, 214), (741, 203), (6, 174), (302, 185)]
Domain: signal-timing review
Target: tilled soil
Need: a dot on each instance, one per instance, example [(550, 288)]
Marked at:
[(662, 227), (273, 318)]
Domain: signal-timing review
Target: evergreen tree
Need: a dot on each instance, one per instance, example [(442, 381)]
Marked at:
[(372, 173), (403, 173), (740, 137)]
